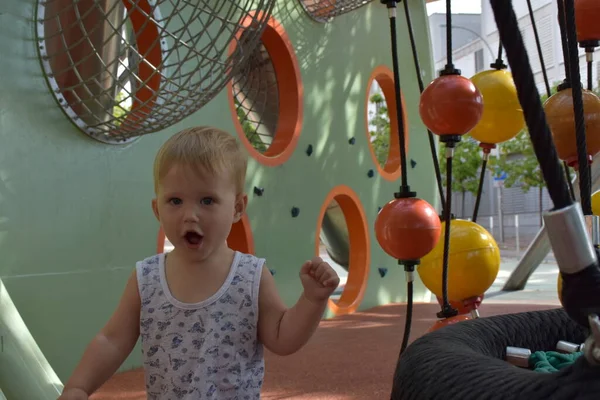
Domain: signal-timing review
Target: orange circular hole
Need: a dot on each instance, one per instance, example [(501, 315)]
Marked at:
[(385, 78), (289, 86), (359, 245), (240, 238)]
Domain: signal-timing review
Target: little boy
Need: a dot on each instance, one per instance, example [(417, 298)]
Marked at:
[(203, 311)]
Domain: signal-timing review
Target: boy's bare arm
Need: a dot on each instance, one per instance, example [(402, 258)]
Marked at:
[(111, 346), (284, 331)]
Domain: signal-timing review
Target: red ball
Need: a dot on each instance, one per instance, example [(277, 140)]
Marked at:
[(587, 15), (451, 105), (407, 228), (448, 321)]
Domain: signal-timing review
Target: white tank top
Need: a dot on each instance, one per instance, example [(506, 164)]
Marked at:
[(206, 350)]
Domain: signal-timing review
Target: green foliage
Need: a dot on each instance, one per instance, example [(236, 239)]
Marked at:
[(380, 136), (249, 129), (465, 166), (518, 160), (120, 110)]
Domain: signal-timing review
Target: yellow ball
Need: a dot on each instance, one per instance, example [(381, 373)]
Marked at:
[(559, 283), (502, 113), (473, 262), (596, 203)]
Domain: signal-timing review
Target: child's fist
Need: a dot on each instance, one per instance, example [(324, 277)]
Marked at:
[(318, 279)]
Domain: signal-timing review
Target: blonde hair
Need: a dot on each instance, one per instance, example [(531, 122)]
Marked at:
[(206, 149)]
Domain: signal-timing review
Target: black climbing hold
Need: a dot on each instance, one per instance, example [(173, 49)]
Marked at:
[(413, 163), (272, 271), (371, 173), (382, 272), (259, 191), (295, 212), (309, 150), (352, 141)]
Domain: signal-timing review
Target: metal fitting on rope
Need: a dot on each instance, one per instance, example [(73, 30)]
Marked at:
[(592, 223), (568, 234), (518, 356), (567, 347)]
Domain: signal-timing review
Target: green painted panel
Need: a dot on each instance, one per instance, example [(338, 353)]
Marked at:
[(75, 214)]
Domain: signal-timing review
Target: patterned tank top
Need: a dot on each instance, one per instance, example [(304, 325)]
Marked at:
[(206, 350)]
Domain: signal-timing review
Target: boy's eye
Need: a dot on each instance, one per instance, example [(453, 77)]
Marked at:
[(175, 201), (207, 201)]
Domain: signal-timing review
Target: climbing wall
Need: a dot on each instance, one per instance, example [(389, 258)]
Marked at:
[(76, 211)]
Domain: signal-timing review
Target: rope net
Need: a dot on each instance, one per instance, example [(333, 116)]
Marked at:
[(124, 68), (324, 10)]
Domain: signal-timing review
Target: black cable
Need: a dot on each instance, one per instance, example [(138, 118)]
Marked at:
[(547, 84), (564, 41), (400, 118), (538, 44), (446, 307), (409, 312), (529, 97), (432, 146), (585, 180), (499, 51), (590, 83), (480, 188), (448, 34)]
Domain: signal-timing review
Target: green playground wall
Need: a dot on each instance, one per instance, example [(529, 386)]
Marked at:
[(76, 215)]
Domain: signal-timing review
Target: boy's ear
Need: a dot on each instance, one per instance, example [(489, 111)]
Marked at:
[(240, 207), (155, 209)]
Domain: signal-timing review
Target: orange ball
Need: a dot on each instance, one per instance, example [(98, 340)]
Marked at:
[(561, 120), (464, 306), (449, 321), (407, 228), (587, 15), (451, 105)]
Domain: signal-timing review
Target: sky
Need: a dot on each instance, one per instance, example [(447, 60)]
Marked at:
[(458, 6)]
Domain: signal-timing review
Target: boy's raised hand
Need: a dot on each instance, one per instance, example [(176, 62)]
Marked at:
[(318, 279)]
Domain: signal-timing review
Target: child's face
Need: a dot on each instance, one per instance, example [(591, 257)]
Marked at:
[(196, 210)]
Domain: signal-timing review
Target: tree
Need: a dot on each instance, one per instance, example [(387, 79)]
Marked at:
[(380, 136), (517, 159), (465, 168)]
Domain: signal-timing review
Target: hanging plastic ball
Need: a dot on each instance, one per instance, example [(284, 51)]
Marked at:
[(407, 228), (502, 117), (561, 120), (587, 15), (451, 105), (448, 321), (559, 285), (463, 306), (473, 262), (596, 203)]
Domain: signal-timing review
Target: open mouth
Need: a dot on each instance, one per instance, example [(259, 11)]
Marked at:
[(193, 238)]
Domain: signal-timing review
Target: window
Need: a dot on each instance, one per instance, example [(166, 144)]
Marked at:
[(479, 60)]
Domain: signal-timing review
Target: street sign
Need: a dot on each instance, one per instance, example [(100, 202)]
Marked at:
[(499, 179)]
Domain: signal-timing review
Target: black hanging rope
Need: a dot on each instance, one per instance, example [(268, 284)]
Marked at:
[(564, 42), (449, 63), (480, 188), (404, 192), (590, 82), (529, 98), (400, 118), (408, 319), (447, 310), (585, 180), (538, 44), (432, 146)]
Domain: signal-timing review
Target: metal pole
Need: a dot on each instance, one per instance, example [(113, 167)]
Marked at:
[(517, 233), (500, 215)]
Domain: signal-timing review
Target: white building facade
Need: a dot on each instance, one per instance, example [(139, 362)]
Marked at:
[(477, 55)]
